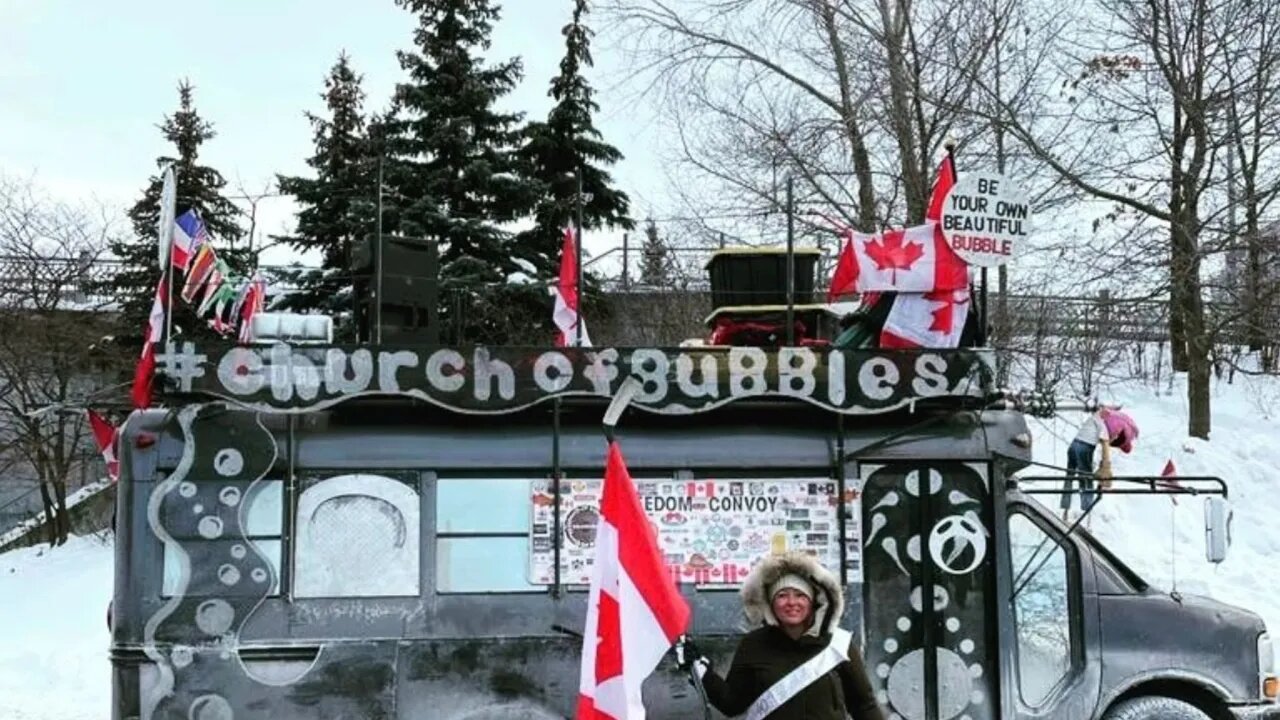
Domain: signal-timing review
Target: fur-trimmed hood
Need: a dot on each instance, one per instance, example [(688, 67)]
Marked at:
[(828, 605)]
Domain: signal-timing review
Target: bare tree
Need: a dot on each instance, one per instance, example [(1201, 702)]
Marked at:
[(49, 353), (1145, 112)]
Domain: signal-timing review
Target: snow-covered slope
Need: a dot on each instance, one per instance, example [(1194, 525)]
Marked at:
[(1163, 541), (53, 631), (53, 636)]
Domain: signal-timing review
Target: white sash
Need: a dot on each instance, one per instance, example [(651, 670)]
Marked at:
[(836, 652)]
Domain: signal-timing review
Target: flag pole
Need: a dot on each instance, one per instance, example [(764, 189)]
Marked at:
[(791, 262), (982, 285), (168, 211), (578, 250)]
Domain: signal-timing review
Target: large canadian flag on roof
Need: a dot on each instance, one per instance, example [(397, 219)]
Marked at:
[(634, 611), (915, 259), (926, 320)]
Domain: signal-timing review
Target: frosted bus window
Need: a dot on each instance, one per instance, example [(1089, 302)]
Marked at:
[(270, 548), (482, 535), (357, 537), (263, 520), (263, 511), (489, 564), (482, 506)]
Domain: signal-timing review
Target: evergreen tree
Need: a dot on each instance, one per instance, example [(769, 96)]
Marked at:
[(654, 263), (198, 186), (566, 145), (452, 170), (338, 205)]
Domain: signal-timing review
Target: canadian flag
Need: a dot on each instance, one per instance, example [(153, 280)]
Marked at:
[(1171, 473), (634, 611), (566, 314), (915, 259), (926, 320), (105, 436), (145, 370)]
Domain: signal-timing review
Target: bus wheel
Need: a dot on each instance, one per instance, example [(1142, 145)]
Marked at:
[(1154, 708)]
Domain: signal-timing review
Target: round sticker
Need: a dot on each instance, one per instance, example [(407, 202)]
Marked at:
[(986, 218), (580, 526)]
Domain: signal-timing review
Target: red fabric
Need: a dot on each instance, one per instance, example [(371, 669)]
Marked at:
[(845, 278), (752, 333), (105, 437), (144, 372), (941, 186), (638, 553)]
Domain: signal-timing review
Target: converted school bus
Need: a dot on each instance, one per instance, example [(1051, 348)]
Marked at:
[(310, 531)]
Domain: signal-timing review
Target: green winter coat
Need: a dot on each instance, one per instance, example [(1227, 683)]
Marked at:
[(767, 654)]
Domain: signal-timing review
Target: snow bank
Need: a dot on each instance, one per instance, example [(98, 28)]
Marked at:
[(53, 606), (1164, 542)]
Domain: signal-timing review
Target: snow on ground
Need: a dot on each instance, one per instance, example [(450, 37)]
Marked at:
[(53, 654), (53, 631), (75, 498)]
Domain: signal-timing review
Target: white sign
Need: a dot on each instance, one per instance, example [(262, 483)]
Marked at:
[(985, 219)]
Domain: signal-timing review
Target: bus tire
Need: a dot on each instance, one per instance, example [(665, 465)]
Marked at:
[(1153, 707)]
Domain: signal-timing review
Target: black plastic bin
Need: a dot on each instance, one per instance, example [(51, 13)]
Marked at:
[(758, 276)]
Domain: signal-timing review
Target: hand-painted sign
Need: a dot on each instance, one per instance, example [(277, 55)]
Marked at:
[(711, 532), (985, 219), (501, 379)]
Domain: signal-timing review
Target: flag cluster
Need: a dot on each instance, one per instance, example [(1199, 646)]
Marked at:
[(228, 303), (225, 301), (930, 279)]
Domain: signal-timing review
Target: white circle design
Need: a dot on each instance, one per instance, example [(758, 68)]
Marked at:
[(955, 538), (230, 496), (210, 707), (214, 617), (181, 656), (904, 624), (953, 624), (238, 552), (966, 646), (228, 462), (187, 489), (891, 645), (210, 528), (228, 574)]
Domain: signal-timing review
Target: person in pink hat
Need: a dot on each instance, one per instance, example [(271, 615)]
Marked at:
[(1108, 428)]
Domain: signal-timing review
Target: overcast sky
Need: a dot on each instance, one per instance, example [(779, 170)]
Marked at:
[(84, 83)]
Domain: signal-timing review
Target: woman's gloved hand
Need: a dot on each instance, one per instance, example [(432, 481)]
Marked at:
[(691, 660)]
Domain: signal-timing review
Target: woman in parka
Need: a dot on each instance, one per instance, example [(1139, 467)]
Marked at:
[(795, 606)]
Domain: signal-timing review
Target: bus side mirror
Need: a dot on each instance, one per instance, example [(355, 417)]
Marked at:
[(1217, 528)]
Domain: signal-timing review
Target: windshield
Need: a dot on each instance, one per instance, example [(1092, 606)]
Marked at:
[(1024, 571)]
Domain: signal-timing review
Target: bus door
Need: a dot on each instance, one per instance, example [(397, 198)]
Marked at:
[(929, 589)]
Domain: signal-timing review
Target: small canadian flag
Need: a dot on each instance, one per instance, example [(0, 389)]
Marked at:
[(106, 436), (705, 489)]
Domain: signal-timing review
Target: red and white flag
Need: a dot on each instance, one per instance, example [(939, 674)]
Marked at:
[(105, 436), (926, 320), (567, 313), (145, 370), (251, 303), (634, 611), (1171, 473), (915, 259), (941, 186)]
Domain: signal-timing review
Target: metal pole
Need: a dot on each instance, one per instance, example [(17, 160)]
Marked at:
[(377, 263), (626, 280), (791, 263), (578, 281)]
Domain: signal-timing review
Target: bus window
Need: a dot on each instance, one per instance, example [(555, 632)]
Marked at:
[(263, 523), (357, 537), (482, 535), (1042, 609)]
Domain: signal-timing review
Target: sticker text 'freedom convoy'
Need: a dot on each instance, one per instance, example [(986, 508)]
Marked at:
[(483, 379)]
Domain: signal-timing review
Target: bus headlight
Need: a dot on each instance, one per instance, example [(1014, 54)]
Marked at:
[(1268, 683)]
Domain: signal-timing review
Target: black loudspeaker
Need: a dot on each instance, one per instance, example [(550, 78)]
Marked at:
[(410, 290)]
